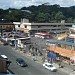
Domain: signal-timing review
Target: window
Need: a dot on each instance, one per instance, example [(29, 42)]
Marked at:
[(54, 26), (18, 25), (25, 26), (50, 65), (46, 65), (39, 26)]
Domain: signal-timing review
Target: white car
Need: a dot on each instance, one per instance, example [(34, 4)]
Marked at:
[(4, 56), (49, 66)]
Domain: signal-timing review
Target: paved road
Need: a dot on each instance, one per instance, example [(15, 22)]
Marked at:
[(40, 44), (33, 67)]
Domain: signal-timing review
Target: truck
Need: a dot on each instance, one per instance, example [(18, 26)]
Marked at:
[(3, 66), (4, 63)]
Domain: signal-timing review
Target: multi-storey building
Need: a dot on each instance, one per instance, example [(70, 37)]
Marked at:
[(65, 48), (6, 26), (39, 27)]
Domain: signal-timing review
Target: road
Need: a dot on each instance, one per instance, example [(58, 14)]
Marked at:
[(33, 67), (40, 44)]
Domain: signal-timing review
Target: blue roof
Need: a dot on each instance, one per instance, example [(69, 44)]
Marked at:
[(56, 32), (67, 41)]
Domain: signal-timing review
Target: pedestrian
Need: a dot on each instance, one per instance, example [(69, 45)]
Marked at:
[(43, 59), (69, 62), (59, 65)]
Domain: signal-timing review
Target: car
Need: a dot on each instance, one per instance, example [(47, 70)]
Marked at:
[(49, 66), (21, 62), (11, 44), (4, 56)]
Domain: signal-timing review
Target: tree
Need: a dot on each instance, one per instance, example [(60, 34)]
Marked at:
[(59, 16), (41, 13), (40, 17), (43, 17), (74, 20), (69, 20)]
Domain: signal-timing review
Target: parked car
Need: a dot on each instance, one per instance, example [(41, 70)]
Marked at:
[(20, 45), (11, 44), (21, 62), (4, 56), (49, 66)]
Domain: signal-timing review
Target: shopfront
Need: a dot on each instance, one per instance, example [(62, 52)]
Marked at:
[(66, 52)]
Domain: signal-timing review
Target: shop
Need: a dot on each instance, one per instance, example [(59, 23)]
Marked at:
[(66, 53)]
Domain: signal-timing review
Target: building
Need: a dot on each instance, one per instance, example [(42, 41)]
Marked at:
[(6, 26), (42, 27), (18, 41), (72, 31), (65, 49), (43, 35)]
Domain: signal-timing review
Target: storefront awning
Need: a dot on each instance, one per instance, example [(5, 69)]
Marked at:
[(23, 29), (62, 51)]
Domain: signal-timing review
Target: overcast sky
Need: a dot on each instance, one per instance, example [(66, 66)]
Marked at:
[(5, 4)]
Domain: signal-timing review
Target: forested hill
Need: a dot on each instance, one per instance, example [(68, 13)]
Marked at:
[(42, 13)]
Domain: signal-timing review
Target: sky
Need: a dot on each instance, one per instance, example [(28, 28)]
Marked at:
[(5, 4)]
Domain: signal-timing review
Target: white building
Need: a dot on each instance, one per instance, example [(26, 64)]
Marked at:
[(72, 31)]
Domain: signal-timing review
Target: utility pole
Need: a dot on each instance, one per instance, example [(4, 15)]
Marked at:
[(15, 44), (15, 41), (1, 30)]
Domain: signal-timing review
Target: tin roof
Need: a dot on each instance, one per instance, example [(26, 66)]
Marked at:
[(61, 42)]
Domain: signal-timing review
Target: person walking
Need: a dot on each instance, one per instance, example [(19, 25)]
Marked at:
[(43, 59), (60, 65)]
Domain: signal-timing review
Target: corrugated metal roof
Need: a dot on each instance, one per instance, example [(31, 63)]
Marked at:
[(51, 23), (61, 42), (6, 24)]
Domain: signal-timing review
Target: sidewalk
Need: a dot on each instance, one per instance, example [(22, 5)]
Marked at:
[(68, 69)]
